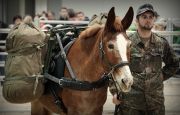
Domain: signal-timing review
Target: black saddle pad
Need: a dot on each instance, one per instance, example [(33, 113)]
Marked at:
[(57, 66)]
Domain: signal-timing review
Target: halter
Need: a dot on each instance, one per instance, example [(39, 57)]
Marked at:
[(102, 56), (112, 67)]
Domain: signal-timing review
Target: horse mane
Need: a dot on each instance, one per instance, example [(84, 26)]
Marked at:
[(87, 35), (90, 31)]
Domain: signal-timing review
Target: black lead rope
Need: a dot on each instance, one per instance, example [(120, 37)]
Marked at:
[(119, 96), (118, 107)]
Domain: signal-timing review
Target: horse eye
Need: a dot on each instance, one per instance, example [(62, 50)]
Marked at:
[(111, 46)]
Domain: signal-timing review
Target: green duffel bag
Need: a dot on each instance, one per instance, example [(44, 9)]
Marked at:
[(22, 89), (24, 64)]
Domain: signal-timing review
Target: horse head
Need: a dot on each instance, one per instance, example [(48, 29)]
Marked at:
[(116, 49)]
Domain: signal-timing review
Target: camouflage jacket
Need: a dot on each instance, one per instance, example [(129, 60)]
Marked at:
[(148, 72)]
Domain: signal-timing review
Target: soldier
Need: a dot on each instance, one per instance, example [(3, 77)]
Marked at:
[(149, 50)]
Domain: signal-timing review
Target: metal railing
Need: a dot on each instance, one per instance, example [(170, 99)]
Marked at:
[(164, 33), (63, 22)]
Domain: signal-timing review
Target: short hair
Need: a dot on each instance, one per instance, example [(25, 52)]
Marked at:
[(17, 17)]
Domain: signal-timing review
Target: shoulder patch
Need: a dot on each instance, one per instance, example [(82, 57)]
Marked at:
[(161, 37), (158, 35), (131, 35)]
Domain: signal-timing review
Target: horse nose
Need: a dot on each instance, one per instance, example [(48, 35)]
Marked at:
[(124, 81), (127, 81)]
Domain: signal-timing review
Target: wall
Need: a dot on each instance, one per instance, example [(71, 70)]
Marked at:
[(166, 8), (12, 10), (45, 5), (40, 5), (1, 10), (54, 5), (9, 8)]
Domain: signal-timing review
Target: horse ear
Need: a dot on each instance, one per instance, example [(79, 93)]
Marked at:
[(110, 20), (127, 20)]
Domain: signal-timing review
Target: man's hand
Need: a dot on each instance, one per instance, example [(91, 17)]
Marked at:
[(115, 100)]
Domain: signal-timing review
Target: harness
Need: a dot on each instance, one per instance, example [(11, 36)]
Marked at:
[(74, 83)]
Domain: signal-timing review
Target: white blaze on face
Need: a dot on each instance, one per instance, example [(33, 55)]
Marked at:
[(122, 48), (125, 71)]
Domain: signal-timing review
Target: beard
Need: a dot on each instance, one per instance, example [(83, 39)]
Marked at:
[(146, 27)]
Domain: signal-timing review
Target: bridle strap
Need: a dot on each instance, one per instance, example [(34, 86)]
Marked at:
[(102, 56), (111, 67), (123, 63)]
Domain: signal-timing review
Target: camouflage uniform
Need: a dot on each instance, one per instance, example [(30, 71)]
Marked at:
[(146, 96)]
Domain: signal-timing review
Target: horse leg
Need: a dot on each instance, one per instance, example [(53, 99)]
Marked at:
[(38, 109), (95, 112)]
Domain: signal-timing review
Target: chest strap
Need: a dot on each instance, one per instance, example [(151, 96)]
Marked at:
[(79, 85)]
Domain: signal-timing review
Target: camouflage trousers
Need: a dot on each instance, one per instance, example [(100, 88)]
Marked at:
[(130, 111)]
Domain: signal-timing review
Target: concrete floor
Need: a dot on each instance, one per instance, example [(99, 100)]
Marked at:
[(171, 91)]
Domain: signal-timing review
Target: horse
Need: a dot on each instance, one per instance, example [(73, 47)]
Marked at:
[(98, 50)]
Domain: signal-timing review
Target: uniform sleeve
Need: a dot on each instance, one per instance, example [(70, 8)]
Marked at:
[(171, 61)]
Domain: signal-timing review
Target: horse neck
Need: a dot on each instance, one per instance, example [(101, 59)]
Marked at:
[(88, 63), (94, 61)]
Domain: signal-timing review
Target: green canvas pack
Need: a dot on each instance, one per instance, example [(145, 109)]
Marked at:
[(24, 64)]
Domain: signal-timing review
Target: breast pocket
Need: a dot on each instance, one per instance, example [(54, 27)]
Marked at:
[(137, 63), (155, 60)]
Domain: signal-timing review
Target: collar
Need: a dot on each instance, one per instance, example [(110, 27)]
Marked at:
[(138, 39)]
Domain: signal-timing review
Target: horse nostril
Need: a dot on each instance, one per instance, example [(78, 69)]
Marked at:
[(124, 81)]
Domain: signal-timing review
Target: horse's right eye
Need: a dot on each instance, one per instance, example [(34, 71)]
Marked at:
[(111, 46)]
